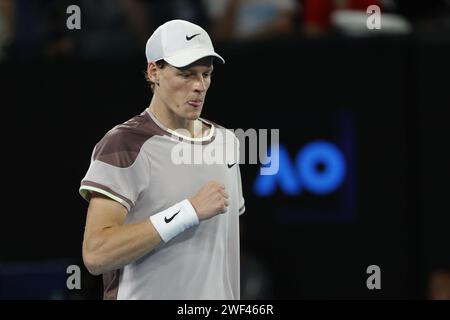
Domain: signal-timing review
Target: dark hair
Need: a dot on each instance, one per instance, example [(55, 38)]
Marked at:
[(160, 64)]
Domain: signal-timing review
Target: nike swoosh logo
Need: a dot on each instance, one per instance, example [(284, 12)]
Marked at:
[(191, 37), (230, 165), (170, 219)]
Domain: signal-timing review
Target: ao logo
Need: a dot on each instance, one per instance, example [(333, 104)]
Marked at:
[(319, 167)]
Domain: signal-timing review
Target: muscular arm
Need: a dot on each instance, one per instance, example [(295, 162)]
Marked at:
[(110, 244)]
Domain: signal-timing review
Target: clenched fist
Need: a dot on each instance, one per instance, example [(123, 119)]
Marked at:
[(210, 201)]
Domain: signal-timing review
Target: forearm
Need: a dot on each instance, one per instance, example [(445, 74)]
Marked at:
[(117, 246), (110, 244)]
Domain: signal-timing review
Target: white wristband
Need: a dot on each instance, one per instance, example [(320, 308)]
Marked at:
[(174, 220)]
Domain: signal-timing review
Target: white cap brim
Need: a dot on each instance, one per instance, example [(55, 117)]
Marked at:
[(182, 59)]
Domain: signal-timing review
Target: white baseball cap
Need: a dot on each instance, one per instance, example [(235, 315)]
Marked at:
[(180, 43)]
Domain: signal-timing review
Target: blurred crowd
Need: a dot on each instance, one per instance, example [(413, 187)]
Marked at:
[(119, 28)]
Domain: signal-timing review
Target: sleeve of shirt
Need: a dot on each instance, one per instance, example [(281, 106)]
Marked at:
[(118, 170), (241, 195)]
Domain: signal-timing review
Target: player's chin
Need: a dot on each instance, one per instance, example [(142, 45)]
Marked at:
[(193, 113)]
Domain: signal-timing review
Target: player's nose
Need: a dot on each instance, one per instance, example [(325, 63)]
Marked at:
[(200, 85)]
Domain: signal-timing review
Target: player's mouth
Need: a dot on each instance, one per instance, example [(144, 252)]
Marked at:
[(195, 103)]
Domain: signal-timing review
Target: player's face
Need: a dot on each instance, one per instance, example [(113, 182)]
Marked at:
[(183, 90)]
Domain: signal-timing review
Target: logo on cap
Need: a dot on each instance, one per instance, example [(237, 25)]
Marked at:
[(191, 37)]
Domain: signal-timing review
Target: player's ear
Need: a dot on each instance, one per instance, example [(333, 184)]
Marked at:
[(153, 72)]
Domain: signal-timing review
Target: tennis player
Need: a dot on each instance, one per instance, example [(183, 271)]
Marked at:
[(157, 228)]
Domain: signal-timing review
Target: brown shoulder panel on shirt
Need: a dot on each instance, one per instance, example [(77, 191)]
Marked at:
[(122, 144)]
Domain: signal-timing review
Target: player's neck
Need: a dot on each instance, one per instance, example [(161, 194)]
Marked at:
[(170, 120)]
